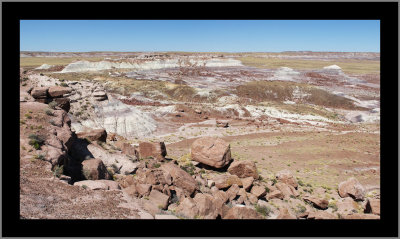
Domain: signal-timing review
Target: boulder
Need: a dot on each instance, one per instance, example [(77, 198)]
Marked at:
[(100, 95), (317, 202), (243, 169), (223, 196), (242, 212), (351, 188), (210, 151), (225, 181), (187, 208), (285, 214), (286, 176), (91, 184), (373, 206), (155, 150), (204, 203), (232, 192), (153, 176), (258, 191), (287, 190), (274, 194), (58, 91), (346, 205), (247, 183), (39, 92), (180, 178), (132, 191), (127, 149), (94, 169), (321, 215), (252, 198), (94, 135), (143, 189), (66, 136), (126, 181), (361, 216), (159, 199)]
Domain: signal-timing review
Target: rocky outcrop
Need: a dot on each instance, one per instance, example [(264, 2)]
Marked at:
[(155, 150), (210, 151), (243, 169), (49, 94)]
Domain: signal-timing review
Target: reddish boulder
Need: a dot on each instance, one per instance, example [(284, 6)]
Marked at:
[(247, 183), (232, 192), (317, 202), (94, 135), (286, 176), (39, 92), (180, 178), (143, 189), (204, 203), (225, 181), (285, 214), (155, 150), (94, 169), (127, 149), (63, 103), (58, 91), (159, 199), (352, 188), (187, 208), (210, 151), (258, 191), (243, 169), (287, 190), (274, 194)]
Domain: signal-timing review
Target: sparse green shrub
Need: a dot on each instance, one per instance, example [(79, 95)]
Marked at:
[(189, 168), (333, 205), (301, 183), (267, 189), (48, 112), (52, 105), (40, 156), (36, 141), (300, 209), (63, 84), (23, 84), (157, 165), (58, 170), (28, 116), (263, 210), (84, 186), (274, 181)]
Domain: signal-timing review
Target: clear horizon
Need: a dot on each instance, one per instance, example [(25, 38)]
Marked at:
[(230, 36)]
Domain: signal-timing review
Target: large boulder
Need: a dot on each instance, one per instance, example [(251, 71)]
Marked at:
[(94, 135), (232, 192), (258, 191), (225, 181), (153, 176), (39, 92), (287, 190), (242, 212), (159, 199), (127, 149), (112, 185), (205, 205), (317, 202), (274, 194), (94, 169), (286, 176), (155, 150), (187, 208), (352, 188), (243, 169), (346, 205), (247, 183), (180, 178), (58, 91), (210, 151)]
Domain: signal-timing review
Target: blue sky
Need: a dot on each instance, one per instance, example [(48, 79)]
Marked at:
[(200, 35)]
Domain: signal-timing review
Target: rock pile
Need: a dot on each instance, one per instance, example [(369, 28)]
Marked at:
[(54, 93)]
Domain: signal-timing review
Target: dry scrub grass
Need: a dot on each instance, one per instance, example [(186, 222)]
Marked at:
[(348, 66), (279, 91)]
